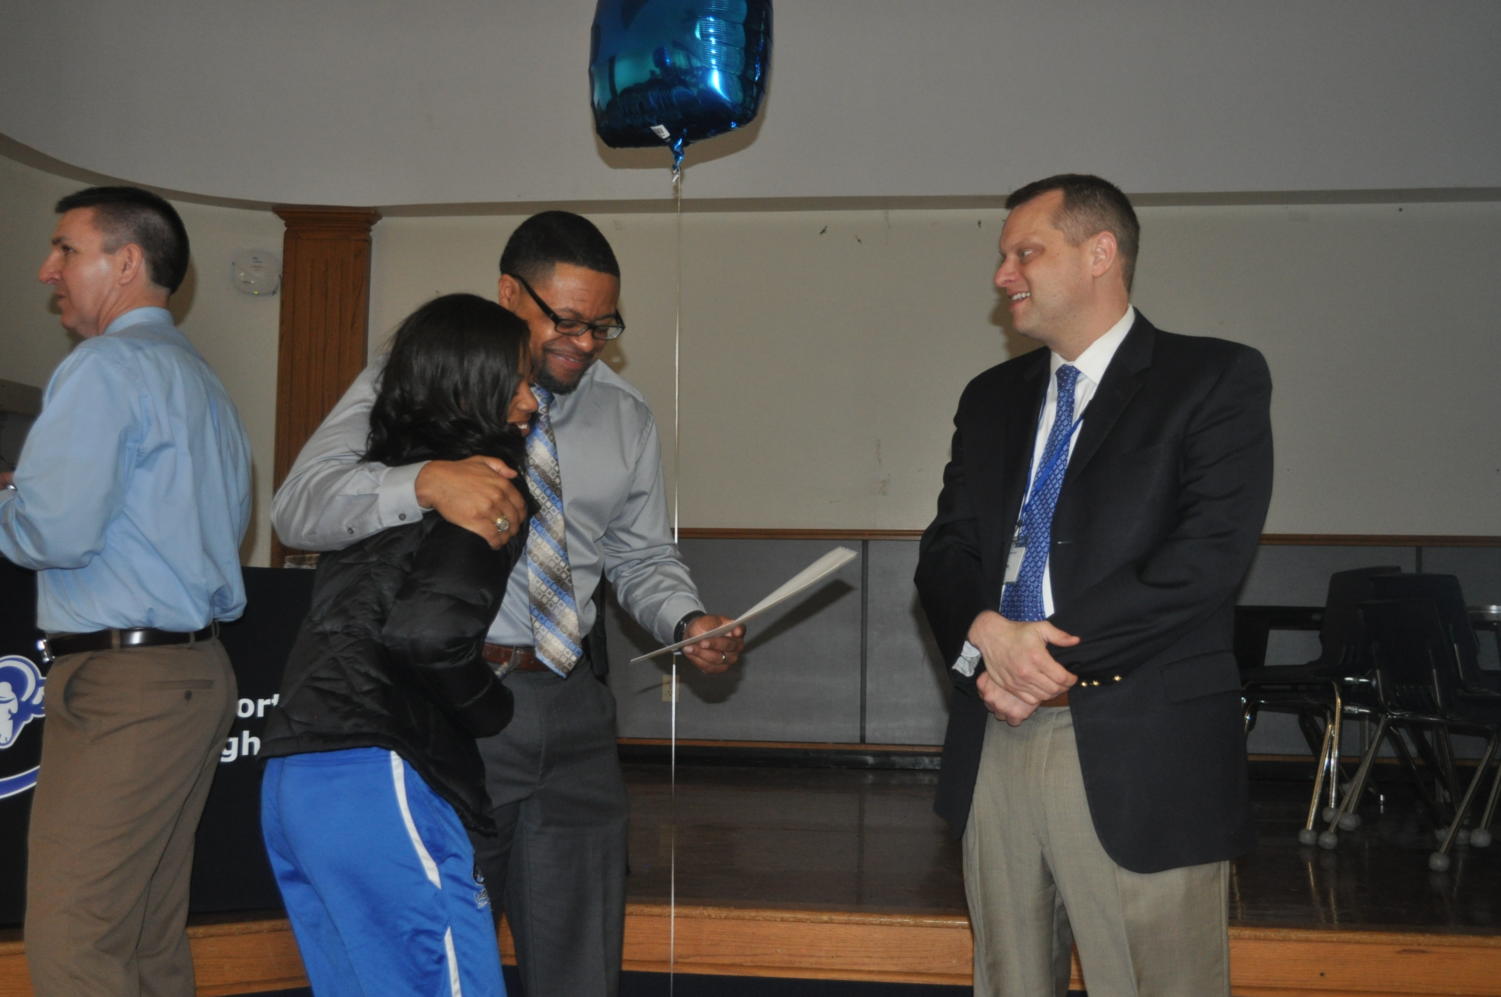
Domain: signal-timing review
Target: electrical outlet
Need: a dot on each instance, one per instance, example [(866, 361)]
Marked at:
[(669, 694)]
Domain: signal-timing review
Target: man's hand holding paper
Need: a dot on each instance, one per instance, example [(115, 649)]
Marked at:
[(713, 655)]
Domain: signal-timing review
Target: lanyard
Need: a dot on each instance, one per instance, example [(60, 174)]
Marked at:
[(1044, 475)]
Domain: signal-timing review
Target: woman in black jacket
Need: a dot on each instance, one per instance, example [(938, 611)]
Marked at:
[(373, 774)]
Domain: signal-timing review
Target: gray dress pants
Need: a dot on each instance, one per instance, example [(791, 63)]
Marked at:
[(557, 867)]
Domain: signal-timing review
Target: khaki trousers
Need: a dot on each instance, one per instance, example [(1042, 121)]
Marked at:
[(129, 749), (1038, 880)]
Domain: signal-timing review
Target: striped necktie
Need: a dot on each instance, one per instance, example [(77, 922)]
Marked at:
[(554, 610)]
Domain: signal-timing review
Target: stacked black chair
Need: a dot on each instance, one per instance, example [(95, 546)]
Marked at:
[(1470, 697), (1448, 598), (1409, 700), (1319, 692)]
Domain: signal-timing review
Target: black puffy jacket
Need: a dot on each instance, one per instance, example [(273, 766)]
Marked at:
[(389, 657)]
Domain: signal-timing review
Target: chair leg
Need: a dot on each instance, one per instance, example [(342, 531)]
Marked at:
[(1439, 860), (1336, 746), (1448, 781), (1311, 725), (1330, 838), (1481, 836), (1308, 835), (1437, 800)]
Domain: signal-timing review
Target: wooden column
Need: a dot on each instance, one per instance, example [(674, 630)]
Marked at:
[(325, 319)]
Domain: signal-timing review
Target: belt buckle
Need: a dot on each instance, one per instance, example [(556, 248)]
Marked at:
[(44, 651)]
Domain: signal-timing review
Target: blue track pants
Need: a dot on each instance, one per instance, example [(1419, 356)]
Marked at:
[(378, 878)]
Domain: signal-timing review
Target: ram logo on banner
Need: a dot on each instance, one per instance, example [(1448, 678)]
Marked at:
[(21, 687)]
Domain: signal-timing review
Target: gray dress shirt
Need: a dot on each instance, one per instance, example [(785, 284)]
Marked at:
[(614, 501)]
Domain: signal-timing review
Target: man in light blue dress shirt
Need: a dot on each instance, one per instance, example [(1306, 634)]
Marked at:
[(130, 500)]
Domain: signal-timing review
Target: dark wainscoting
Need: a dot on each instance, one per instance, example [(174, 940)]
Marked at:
[(851, 662)]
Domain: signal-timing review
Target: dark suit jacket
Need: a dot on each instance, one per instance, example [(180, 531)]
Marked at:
[(1159, 515)]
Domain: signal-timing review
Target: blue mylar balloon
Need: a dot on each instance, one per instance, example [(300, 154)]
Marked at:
[(676, 71)]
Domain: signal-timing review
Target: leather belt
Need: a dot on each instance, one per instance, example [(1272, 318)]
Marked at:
[(113, 640), (1059, 700), (521, 659)]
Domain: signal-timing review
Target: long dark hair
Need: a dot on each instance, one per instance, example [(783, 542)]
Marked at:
[(453, 367)]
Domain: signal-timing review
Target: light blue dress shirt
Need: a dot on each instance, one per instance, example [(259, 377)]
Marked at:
[(132, 493)]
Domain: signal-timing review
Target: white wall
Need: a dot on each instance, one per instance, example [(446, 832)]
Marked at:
[(381, 102), (236, 333), (823, 350)]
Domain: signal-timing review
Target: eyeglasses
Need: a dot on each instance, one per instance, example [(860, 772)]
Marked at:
[(574, 326)]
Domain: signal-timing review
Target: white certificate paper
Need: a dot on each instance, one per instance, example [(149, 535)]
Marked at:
[(794, 586)]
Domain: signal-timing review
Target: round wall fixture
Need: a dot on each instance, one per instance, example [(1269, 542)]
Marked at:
[(256, 271)]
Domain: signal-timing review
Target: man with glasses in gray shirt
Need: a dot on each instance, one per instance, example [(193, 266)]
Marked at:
[(558, 865)]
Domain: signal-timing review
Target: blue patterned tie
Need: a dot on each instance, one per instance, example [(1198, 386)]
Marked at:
[(1022, 599), (555, 613)]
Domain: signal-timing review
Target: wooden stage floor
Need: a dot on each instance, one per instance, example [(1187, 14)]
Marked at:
[(861, 881), (846, 874)]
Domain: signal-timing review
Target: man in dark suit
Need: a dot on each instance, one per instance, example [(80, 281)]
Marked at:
[(1094, 761)]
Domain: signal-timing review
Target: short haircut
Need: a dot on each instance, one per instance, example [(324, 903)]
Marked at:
[(130, 215), (553, 237), (452, 369), (1090, 205)]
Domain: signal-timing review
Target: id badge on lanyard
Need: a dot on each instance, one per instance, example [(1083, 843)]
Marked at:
[(1044, 475)]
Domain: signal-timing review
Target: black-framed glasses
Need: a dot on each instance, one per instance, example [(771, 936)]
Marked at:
[(574, 326)]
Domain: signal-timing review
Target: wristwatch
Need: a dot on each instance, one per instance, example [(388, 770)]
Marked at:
[(680, 631)]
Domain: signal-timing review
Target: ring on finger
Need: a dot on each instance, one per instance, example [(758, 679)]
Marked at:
[(502, 524)]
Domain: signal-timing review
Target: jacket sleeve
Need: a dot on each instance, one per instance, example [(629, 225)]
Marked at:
[(949, 576), (438, 621), (1143, 606)]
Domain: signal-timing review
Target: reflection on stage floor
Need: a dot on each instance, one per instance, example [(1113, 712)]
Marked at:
[(867, 840)]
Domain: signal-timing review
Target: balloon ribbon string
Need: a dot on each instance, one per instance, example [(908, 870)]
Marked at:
[(677, 468)]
